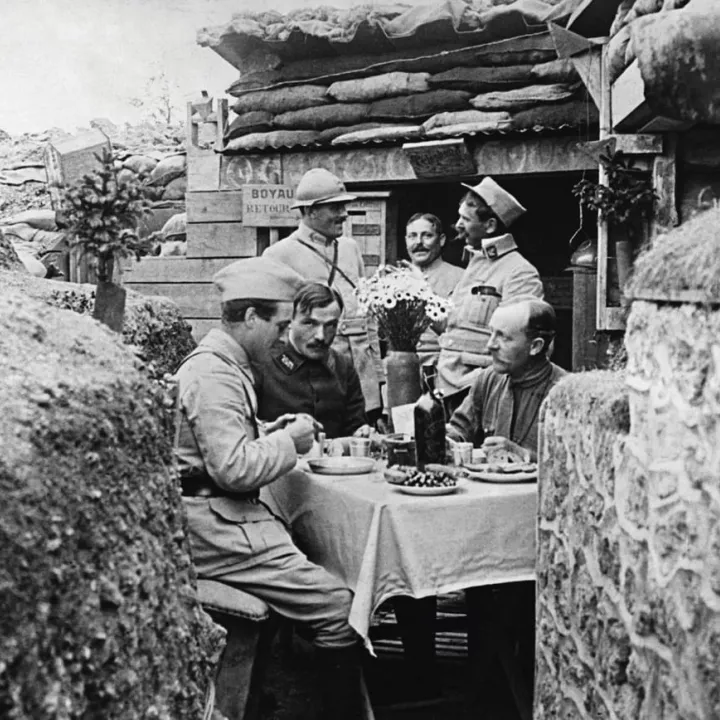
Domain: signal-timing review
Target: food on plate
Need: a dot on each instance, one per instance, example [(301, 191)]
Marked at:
[(502, 456), (504, 468), (428, 479)]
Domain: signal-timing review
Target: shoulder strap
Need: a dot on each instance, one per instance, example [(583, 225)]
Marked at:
[(332, 264)]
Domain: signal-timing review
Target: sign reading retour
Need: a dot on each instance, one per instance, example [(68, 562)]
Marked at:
[(269, 206)]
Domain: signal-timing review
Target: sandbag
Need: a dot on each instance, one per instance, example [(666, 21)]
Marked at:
[(274, 139), (35, 218), (621, 17), (255, 121), (643, 7), (379, 86), (319, 118), (616, 52), (282, 100), (140, 164), (42, 240), (576, 113), (461, 117), (556, 71), (480, 79), (387, 132), (253, 81), (419, 107), (330, 134), (168, 169), (175, 189), (521, 98), (468, 128)]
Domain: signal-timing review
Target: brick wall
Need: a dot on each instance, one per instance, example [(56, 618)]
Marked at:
[(629, 529)]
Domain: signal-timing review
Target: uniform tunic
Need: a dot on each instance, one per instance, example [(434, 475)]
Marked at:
[(463, 345), (442, 277), (234, 537), (509, 406), (356, 338), (329, 390)]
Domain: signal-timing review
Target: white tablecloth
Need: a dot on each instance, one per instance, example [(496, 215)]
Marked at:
[(384, 543)]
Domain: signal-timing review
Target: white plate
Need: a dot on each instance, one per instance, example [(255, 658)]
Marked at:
[(415, 490), (341, 465), (478, 472)]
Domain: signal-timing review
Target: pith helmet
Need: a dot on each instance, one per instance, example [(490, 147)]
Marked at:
[(500, 201), (320, 186)]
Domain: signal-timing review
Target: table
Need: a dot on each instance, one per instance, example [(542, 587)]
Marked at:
[(384, 543)]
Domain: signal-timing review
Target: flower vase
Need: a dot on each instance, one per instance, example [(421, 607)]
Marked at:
[(402, 371)]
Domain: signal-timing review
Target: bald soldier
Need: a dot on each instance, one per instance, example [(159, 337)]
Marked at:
[(224, 461), (496, 273), (504, 400), (320, 253)]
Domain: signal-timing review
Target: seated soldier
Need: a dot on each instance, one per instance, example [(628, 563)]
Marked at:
[(503, 405), (306, 375)]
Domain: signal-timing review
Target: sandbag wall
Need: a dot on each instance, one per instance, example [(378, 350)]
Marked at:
[(98, 617), (515, 84)]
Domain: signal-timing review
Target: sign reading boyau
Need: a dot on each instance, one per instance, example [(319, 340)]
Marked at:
[(269, 206)]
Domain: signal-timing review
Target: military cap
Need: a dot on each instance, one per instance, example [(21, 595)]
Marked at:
[(500, 201), (257, 278), (318, 186)]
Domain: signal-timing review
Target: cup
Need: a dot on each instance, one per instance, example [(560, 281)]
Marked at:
[(462, 453), (400, 450), (360, 447), (479, 456)]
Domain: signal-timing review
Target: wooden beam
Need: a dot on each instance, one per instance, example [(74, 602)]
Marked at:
[(195, 300), (592, 18), (586, 56), (208, 206), (626, 144), (664, 176), (230, 240), (175, 270)]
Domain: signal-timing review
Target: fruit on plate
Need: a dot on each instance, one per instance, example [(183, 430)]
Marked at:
[(429, 479), (397, 474)]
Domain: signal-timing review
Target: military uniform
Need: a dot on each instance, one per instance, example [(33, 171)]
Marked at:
[(328, 390), (312, 255), (442, 277), (223, 463), (502, 273)]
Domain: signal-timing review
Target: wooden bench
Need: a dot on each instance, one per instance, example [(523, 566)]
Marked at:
[(249, 625)]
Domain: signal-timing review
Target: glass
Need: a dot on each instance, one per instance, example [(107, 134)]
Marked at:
[(462, 453), (400, 450), (360, 447)]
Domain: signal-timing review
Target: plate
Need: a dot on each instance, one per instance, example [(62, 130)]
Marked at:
[(341, 465), (480, 471), (414, 490)]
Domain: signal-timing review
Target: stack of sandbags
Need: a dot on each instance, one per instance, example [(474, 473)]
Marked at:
[(164, 175), (35, 237), (514, 84)]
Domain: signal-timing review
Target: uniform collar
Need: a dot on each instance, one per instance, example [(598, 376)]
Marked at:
[(493, 248), (309, 235), (290, 360), (221, 341)]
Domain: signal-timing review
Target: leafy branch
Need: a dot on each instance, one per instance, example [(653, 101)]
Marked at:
[(628, 194), (101, 212)]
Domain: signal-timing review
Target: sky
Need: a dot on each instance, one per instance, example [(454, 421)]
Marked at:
[(69, 61)]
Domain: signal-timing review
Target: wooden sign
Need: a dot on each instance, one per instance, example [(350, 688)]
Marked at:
[(440, 158), (269, 206)]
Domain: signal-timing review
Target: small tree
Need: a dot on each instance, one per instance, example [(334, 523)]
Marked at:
[(101, 212)]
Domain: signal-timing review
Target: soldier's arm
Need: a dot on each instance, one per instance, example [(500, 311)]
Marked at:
[(354, 403), (215, 405), (523, 282)]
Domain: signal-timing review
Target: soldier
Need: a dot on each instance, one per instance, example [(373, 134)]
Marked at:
[(497, 272), (318, 251), (223, 462)]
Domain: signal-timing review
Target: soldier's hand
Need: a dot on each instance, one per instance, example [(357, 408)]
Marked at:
[(282, 422), (302, 432)]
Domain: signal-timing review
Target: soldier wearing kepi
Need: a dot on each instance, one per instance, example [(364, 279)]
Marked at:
[(318, 251), (497, 272), (223, 462)]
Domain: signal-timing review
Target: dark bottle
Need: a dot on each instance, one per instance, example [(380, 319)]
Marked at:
[(430, 426)]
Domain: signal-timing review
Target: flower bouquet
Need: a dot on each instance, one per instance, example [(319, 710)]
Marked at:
[(402, 304)]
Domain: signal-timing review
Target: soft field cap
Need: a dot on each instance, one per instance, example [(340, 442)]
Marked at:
[(320, 186), (500, 201), (259, 279)]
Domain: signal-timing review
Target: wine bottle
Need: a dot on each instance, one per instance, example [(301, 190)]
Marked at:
[(429, 415)]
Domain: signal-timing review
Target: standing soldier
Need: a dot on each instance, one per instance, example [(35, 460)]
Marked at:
[(497, 272), (318, 251)]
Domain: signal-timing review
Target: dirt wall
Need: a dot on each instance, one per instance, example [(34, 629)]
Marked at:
[(97, 611), (629, 529)]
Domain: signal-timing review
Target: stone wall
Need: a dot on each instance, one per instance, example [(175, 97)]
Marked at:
[(98, 617), (629, 529)]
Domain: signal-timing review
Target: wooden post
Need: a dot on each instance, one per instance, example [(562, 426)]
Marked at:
[(664, 177)]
